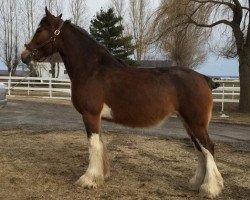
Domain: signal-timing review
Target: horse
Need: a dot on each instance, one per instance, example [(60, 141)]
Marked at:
[(105, 88)]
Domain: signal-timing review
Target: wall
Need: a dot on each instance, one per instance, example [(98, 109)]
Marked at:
[(44, 70)]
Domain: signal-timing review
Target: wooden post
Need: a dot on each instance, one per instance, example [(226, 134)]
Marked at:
[(50, 85), (233, 92), (28, 87), (223, 98), (9, 84)]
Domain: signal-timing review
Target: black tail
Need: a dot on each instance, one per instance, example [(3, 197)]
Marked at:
[(211, 83)]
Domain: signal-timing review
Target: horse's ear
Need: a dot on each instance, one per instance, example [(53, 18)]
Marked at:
[(48, 14), (60, 16)]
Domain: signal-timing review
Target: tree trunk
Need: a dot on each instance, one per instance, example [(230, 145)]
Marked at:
[(244, 72)]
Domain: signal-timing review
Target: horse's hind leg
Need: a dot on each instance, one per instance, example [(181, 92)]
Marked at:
[(98, 168), (207, 178)]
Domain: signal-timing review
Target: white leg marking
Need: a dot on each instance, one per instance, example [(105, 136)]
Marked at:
[(106, 112), (196, 181), (94, 175), (213, 181)]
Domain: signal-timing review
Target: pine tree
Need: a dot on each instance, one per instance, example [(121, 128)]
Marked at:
[(106, 28)]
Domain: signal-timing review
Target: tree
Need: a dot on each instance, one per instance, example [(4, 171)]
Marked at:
[(57, 7), (184, 45), (29, 11), (140, 25), (233, 14), (107, 30), (78, 10), (9, 39), (119, 7)]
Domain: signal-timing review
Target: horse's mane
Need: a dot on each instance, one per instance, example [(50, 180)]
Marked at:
[(83, 32), (89, 37)]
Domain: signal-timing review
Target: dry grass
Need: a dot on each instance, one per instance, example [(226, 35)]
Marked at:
[(44, 165)]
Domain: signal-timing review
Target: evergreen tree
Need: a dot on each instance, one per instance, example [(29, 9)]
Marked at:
[(106, 28)]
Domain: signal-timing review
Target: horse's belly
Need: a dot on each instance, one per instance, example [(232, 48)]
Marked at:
[(136, 117)]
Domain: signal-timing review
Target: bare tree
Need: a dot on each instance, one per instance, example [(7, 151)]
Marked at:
[(140, 25), (232, 14), (58, 7), (54, 6), (79, 12), (184, 44), (50, 4), (30, 13), (9, 38), (119, 7)]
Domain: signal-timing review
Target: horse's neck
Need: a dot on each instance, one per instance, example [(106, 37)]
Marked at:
[(77, 53)]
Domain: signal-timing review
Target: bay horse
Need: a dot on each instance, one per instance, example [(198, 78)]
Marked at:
[(105, 88)]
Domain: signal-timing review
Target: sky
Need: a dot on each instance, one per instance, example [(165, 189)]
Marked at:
[(213, 66)]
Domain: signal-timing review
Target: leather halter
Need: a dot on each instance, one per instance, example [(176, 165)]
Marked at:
[(51, 40)]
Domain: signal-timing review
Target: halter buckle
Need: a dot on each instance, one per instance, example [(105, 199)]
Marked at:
[(57, 32)]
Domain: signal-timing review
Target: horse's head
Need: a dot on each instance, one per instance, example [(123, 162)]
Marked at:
[(45, 40)]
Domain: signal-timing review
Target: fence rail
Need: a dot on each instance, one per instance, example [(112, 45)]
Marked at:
[(228, 92), (37, 86)]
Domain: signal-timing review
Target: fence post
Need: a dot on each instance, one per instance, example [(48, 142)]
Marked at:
[(223, 97), (50, 86), (9, 83), (233, 92), (28, 87)]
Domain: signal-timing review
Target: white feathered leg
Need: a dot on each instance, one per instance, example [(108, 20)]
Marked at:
[(213, 181), (98, 165)]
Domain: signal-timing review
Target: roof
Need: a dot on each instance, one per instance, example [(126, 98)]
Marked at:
[(17, 73)]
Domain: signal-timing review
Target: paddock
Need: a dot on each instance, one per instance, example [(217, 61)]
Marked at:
[(41, 159)]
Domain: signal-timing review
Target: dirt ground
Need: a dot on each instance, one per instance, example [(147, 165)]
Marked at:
[(45, 165)]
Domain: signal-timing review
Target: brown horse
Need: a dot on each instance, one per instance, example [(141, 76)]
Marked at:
[(105, 88)]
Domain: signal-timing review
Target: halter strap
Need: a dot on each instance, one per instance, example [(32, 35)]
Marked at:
[(51, 40)]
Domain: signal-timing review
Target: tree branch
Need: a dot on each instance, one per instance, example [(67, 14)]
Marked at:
[(214, 2), (245, 8), (226, 22)]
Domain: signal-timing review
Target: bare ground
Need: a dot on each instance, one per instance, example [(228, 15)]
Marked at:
[(45, 165)]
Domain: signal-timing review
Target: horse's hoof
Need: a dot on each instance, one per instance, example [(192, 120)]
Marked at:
[(88, 181), (211, 191)]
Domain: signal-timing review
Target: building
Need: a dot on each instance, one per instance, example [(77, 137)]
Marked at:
[(53, 66)]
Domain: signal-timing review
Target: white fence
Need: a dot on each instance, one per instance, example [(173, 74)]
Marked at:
[(228, 92), (37, 86)]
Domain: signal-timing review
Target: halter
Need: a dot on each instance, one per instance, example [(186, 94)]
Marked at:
[(51, 40)]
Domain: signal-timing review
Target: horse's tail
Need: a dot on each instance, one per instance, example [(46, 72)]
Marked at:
[(211, 83)]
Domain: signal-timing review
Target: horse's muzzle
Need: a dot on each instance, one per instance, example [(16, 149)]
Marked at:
[(26, 56)]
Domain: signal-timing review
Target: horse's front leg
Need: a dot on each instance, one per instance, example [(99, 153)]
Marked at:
[(98, 168)]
